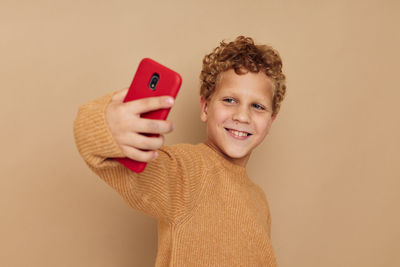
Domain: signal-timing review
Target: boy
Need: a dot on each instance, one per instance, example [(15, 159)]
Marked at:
[(208, 210)]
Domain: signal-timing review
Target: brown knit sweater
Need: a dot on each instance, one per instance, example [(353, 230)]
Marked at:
[(209, 212)]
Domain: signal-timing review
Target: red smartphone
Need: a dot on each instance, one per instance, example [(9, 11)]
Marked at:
[(151, 79)]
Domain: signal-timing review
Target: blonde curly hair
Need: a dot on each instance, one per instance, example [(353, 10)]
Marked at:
[(243, 55)]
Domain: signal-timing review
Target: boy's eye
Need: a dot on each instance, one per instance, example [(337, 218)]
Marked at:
[(258, 106), (229, 100)]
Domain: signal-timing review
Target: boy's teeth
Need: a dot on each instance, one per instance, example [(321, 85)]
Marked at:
[(238, 133)]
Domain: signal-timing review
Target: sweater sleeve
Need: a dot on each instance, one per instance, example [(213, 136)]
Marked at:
[(169, 186), (267, 210)]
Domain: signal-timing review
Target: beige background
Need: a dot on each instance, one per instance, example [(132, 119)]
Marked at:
[(330, 166)]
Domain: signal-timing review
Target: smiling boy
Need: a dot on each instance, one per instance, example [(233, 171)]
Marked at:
[(238, 115), (209, 212)]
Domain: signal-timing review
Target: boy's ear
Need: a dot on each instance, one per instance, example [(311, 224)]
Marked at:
[(203, 107), (274, 117)]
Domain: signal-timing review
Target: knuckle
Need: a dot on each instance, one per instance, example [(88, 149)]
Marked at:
[(167, 127), (160, 141), (151, 143), (150, 101), (170, 127), (146, 144), (138, 155), (127, 152), (157, 142), (162, 101), (147, 156), (153, 126)]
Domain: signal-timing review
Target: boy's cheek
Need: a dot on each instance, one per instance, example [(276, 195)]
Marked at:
[(267, 128)]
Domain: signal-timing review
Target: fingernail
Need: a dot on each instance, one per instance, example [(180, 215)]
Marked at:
[(155, 155), (170, 100)]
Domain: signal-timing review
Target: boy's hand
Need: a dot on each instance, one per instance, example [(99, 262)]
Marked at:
[(126, 125)]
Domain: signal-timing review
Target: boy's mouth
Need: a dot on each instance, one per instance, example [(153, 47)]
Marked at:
[(238, 133)]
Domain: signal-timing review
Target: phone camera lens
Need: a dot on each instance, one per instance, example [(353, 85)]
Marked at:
[(153, 81)]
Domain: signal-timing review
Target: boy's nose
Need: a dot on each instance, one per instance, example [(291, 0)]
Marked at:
[(241, 115)]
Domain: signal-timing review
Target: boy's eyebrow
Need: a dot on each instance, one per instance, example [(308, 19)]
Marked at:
[(262, 100)]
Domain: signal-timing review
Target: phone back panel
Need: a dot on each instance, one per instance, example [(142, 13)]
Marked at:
[(168, 83)]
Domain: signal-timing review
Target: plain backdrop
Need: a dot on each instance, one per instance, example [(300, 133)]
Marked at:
[(329, 167)]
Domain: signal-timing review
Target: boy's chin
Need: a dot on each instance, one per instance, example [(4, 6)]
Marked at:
[(237, 155)]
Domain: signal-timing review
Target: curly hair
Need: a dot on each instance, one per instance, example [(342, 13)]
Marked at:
[(243, 55)]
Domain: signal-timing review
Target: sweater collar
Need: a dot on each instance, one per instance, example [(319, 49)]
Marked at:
[(225, 162)]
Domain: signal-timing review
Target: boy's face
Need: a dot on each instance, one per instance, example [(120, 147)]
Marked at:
[(238, 114)]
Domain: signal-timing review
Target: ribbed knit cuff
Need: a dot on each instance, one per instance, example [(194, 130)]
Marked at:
[(92, 134)]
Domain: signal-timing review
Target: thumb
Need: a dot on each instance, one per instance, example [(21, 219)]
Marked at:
[(119, 96)]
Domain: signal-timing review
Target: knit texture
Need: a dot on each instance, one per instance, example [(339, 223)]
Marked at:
[(209, 212)]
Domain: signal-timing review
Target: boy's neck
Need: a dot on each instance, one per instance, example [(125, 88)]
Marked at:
[(237, 161)]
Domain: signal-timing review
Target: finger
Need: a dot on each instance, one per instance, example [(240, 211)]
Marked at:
[(141, 141), (152, 126), (120, 95), (147, 104), (139, 155)]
